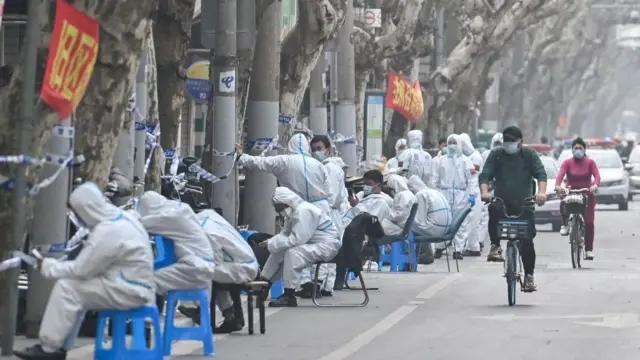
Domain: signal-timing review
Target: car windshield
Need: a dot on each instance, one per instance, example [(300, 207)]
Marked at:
[(550, 167), (605, 159)]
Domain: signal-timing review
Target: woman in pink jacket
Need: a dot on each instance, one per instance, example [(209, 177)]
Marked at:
[(581, 172)]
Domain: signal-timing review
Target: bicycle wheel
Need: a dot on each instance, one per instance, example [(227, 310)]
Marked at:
[(511, 273), (575, 242)]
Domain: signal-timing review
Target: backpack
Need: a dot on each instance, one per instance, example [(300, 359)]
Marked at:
[(528, 160)]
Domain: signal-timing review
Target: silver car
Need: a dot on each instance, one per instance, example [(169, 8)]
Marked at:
[(633, 168), (549, 213)]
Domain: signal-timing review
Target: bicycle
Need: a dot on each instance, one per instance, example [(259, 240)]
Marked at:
[(513, 228), (576, 203)]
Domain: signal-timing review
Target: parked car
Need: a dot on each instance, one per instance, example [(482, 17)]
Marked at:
[(614, 184), (549, 213), (633, 169)]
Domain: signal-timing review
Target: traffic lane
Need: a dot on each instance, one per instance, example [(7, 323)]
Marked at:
[(588, 313), (308, 332)]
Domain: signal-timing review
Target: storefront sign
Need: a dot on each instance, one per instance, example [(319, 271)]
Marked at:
[(404, 97)]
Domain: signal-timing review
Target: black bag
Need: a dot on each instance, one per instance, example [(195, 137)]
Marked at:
[(352, 252), (262, 254)]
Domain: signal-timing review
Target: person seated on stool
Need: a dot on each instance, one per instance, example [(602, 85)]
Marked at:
[(403, 200), (194, 265), (114, 270), (307, 237), (236, 264)]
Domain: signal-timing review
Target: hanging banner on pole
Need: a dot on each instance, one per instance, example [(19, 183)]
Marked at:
[(404, 98), (72, 55)]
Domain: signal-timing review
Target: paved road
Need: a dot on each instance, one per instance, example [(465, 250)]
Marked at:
[(584, 314)]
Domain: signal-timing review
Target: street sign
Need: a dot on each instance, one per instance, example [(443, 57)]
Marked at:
[(289, 18), (197, 84), (373, 18)]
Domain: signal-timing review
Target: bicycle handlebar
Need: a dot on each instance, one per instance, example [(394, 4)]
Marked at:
[(527, 204), (568, 191)]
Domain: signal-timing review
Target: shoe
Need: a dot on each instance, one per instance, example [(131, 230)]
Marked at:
[(326, 293), (36, 352), (457, 255), (305, 291), (588, 255), (438, 253), (192, 313), (529, 284), (481, 246), (495, 254), (288, 299), (229, 326), (564, 230), (471, 253)]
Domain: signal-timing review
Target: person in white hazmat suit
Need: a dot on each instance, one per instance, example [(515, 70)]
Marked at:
[(401, 146), (474, 242), (415, 159), (372, 200), (496, 143), (308, 236), (321, 146), (483, 230), (195, 266), (297, 171), (235, 263), (114, 270), (403, 199), (455, 179)]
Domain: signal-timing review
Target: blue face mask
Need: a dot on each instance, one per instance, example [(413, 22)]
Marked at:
[(452, 149), (510, 147), (319, 155), (578, 154), (367, 190)]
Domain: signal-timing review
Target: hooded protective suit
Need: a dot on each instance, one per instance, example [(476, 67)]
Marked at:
[(415, 159), (195, 265), (114, 270), (403, 199), (496, 137), (392, 163), (455, 180), (308, 236), (434, 213), (298, 171), (483, 230), (378, 205), (474, 220)]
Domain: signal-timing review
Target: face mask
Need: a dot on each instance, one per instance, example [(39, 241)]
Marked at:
[(399, 152), (510, 147), (319, 155), (367, 190), (443, 150), (452, 149), (578, 154), (286, 212)]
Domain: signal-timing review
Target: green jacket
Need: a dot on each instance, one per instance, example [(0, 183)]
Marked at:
[(513, 175)]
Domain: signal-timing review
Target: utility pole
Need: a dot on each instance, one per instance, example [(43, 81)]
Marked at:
[(264, 109), (123, 158), (346, 107), (25, 125), (318, 118), (223, 78), (140, 116), (333, 88)]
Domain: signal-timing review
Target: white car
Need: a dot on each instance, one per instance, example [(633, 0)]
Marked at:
[(614, 181), (549, 213), (633, 167)]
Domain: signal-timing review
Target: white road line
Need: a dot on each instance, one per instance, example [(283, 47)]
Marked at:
[(415, 302), (388, 322)]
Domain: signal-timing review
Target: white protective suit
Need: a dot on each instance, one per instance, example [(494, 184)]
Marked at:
[(392, 163), (114, 270), (403, 199), (434, 213), (474, 220), (415, 159), (308, 236), (195, 265), (496, 137), (297, 171), (483, 229), (378, 205), (455, 181)]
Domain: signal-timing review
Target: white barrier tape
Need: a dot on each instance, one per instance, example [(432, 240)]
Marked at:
[(202, 173)]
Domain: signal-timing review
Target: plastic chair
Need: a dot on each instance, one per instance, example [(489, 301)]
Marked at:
[(202, 333), (396, 257), (138, 349), (164, 252), (448, 236)]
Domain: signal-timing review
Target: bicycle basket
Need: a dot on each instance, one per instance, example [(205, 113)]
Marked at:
[(575, 203), (512, 229)]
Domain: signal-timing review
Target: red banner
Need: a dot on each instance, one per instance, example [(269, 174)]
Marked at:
[(404, 97), (72, 55)]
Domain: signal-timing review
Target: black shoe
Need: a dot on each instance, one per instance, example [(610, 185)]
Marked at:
[(326, 293), (288, 299), (338, 286), (471, 253), (438, 253), (35, 352), (229, 326), (192, 313), (305, 291), (457, 256)]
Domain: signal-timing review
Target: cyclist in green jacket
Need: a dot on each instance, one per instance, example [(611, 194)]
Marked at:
[(512, 169)]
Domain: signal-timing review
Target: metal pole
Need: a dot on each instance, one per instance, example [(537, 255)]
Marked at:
[(140, 116), (333, 87), (346, 107), (123, 158), (223, 78), (263, 118), (318, 118), (28, 94)]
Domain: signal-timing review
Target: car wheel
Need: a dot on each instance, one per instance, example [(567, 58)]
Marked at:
[(623, 206), (555, 226)]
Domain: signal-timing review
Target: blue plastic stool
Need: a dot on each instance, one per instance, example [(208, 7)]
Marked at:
[(398, 258), (138, 349), (277, 289), (203, 332)]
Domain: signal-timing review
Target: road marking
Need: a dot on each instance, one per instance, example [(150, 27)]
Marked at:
[(388, 322), (415, 302), (614, 321)]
